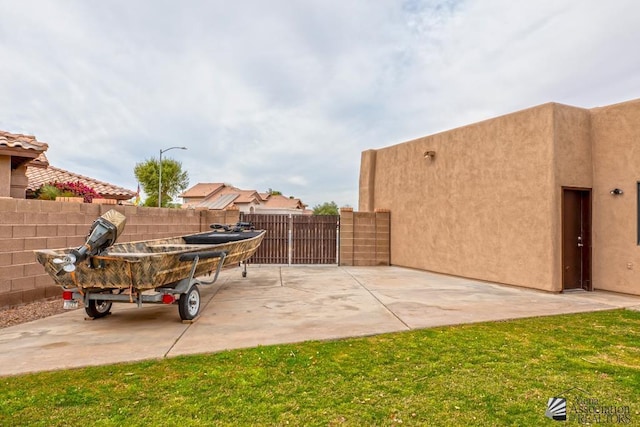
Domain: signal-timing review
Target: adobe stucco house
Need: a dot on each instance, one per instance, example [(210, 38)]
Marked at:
[(544, 198), (24, 168), (16, 152)]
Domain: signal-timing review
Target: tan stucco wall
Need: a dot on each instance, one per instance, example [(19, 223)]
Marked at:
[(366, 201), (482, 207), (5, 176), (616, 154), (19, 182), (573, 168), (572, 147), (488, 205), (13, 182)]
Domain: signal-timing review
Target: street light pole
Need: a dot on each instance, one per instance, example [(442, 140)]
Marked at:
[(160, 174)]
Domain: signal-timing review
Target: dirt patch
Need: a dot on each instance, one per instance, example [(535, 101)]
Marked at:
[(31, 311)]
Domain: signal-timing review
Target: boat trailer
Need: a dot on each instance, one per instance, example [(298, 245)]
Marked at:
[(185, 292)]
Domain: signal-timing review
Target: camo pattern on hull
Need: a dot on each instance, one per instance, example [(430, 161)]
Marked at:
[(145, 264)]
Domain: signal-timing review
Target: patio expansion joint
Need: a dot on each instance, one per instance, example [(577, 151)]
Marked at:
[(406, 325), (188, 325)]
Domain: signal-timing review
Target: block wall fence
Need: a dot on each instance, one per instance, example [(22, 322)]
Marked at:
[(28, 225), (365, 237)]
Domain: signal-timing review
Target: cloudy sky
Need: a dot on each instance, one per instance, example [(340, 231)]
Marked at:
[(286, 94)]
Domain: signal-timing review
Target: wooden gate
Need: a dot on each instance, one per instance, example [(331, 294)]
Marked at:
[(296, 239)]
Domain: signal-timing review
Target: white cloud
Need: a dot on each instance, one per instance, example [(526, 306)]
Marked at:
[(286, 95)]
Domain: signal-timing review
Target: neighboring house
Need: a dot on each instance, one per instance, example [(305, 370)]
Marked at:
[(545, 198), (199, 192), (219, 196), (278, 204), (16, 151), (24, 168), (39, 172)]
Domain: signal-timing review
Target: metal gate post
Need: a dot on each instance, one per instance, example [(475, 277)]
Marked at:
[(338, 242), (290, 243)]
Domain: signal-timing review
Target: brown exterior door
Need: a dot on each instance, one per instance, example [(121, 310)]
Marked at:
[(576, 239)]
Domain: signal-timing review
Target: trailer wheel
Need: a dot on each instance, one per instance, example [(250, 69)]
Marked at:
[(98, 308), (189, 304)]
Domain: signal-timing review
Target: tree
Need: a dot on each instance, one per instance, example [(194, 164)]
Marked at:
[(174, 180), (273, 192), (327, 208)]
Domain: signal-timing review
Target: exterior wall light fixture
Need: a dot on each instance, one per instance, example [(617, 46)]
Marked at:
[(616, 192), (429, 155)]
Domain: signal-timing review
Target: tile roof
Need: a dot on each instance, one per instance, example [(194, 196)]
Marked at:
[(41, 161), (39, 175), (283, 202), (226, 196), (202, 189), (223, 196), (248, 196), (39, 172), (17, 140), (218, 202)]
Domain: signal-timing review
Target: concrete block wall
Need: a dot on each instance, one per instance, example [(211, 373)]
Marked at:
[(27, 225), (365, 237)]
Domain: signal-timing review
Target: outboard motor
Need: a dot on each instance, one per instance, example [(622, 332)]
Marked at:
[(103, 233)]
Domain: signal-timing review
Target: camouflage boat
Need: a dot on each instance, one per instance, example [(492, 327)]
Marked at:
[(100, 272)]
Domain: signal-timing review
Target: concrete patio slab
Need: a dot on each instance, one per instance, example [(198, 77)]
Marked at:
[(275, 305), (308, 304)]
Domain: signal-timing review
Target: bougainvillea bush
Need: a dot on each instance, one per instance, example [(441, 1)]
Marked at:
[(76, 189)]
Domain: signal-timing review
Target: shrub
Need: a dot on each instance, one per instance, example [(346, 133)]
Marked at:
[(72, 189), (47, 192)]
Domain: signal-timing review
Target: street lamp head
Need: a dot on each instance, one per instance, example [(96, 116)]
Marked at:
[(172, 148)]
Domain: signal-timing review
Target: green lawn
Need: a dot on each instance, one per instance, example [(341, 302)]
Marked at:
[(483, 374)]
